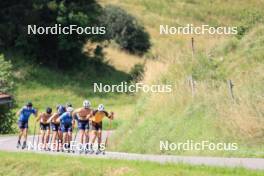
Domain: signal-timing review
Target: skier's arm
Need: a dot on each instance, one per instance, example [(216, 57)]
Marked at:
[(35, 112), (59, 119), (75, 112), (19, 112), (52, 117), (110, 116), (92, 113), (38, 118), (73, 123)]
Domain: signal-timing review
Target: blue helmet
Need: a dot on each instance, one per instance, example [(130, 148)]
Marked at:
[(48, 110), (61, 109), (29, 104)]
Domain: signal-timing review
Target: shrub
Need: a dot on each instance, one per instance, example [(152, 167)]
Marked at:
[(125, 30), (241, 31), (61, 51), (7, 117), (137, 72)]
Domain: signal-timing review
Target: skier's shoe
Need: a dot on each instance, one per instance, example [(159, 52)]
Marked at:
[(18, 144), (87, 151), (98, 152), (81, 151), (24, 145), (91, 151)]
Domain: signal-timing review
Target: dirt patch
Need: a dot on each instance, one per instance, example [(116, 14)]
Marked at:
[(119, 171)]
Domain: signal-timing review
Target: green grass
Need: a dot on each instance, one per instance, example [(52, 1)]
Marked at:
[(40, 164), (211, 114), (145, 119), (47, 87), (207, 11)]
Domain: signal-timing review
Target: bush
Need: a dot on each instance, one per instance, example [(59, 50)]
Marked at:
[(7, 117), (125, 30), (61, 51), (248, 20), (241, 31), (66, 51), (137, 72)]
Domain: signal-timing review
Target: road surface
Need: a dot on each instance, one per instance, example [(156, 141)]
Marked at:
[(8, 143)]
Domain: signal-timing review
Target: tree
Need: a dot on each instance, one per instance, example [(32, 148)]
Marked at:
[(61, 51), (7, 118), (65, 51), (125, 30)]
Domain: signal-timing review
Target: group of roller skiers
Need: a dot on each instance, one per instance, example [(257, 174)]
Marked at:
[(62, 124)]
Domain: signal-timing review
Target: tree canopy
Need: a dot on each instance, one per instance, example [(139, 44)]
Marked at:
[(64, 51), (7, 118)]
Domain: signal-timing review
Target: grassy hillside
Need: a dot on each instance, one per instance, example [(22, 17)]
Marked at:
[(210, 114), (49, 87), (61, 165), (145, 119)]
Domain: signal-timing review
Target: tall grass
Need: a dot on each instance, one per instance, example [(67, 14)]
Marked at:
[(47, 87), (211, 114), (41, 164), (146, 119)]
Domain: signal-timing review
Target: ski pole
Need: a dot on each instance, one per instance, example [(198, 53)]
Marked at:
[(50, 140), (38, 140), (76, 132), (108, 132), (35, 126), (75, 136)]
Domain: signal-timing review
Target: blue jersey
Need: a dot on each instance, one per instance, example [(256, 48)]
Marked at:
[(66, 118), (25, 113)]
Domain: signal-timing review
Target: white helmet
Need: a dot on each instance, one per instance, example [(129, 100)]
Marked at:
[(100, 107), (86, 104), (69, 109)]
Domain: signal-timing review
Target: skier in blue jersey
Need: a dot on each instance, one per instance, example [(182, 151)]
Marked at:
[(24, 115), (66, 123)]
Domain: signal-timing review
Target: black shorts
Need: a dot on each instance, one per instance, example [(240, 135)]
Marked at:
[(66, 127), (44, 126), (83, 124), (55, 127), (97, 126), (22, 125)]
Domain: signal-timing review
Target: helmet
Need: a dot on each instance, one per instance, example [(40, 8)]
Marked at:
[(29, 104), (48, 110), (86, 104), (68, 105), (100, 107), (69, 109), (61, 109)]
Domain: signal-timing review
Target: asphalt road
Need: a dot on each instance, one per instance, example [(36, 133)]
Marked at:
[(8, 143)]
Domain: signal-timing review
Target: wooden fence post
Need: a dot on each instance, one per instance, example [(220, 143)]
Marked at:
[(190, 78), (230, 86), (192, 47), (192, 85)]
